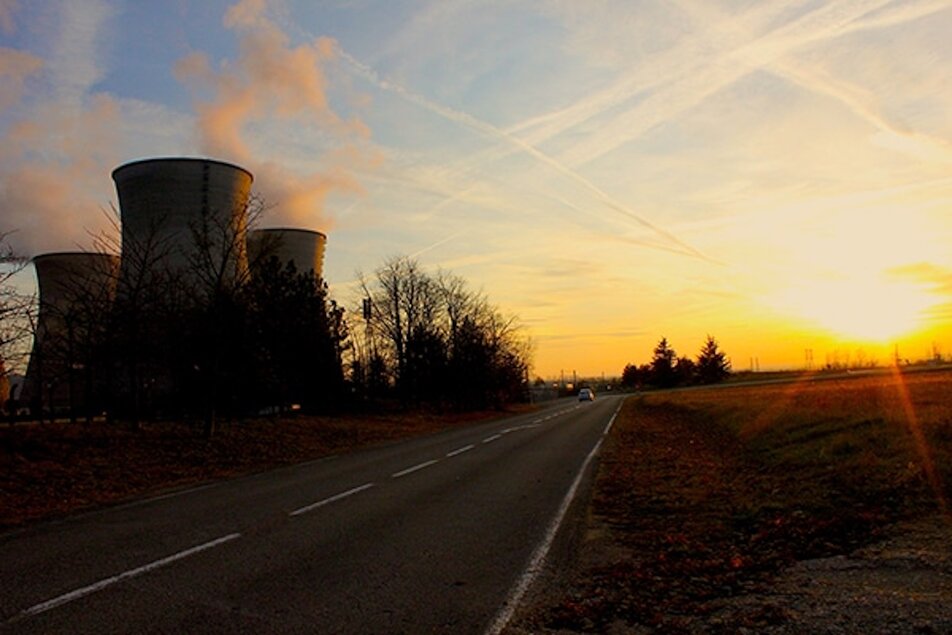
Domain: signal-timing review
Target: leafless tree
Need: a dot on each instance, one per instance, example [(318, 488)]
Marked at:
[(443, 341), (17, 317), (404, 300)]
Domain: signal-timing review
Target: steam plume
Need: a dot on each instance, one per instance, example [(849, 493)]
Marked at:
[(272, 80)]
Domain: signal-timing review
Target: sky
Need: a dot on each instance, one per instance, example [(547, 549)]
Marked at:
[(773, 174)]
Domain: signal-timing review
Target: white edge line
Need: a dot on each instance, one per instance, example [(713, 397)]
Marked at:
[(539, 555), (492, 438), (102, 584), (411, 470), (332, 499), (459, 451), (611, 421)]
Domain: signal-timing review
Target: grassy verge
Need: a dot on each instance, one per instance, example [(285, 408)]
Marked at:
[(703, 495), (53, 469)]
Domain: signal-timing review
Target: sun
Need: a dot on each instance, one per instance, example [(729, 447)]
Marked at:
[(860, 308)]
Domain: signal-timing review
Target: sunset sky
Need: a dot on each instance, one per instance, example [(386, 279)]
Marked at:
[(775, 174)]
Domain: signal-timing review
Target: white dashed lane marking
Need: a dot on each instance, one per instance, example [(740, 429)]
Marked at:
[(332, 499), (415, 468), (102, 584)]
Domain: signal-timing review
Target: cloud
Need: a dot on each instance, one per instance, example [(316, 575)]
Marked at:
[(46, 190), (273, 82), (59, 141), (938, 278), (468, 120), (15, 68), (7, 9), (299, 198), (74, 64)]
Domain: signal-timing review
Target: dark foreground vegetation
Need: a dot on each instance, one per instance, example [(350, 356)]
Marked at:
[(205, 340), (703, 496)]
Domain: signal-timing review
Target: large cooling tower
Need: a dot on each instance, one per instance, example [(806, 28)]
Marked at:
[(76, 291), (303, 247), (184, 215)]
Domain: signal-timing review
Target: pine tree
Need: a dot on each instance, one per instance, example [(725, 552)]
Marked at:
[(662, 365), (712, 364)]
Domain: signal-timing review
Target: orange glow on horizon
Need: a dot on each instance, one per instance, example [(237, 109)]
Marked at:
[(871, 310)]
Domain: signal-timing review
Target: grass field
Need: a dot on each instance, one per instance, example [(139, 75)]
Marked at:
[(703, 495)]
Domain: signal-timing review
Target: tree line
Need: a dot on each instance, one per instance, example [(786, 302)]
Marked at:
[(197, 340), (429, 339), (667, 370), (206, 341)]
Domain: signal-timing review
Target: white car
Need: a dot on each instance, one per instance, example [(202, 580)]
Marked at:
[(586, 394)]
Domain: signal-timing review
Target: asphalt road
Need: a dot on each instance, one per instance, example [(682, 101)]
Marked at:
[(439, 534)]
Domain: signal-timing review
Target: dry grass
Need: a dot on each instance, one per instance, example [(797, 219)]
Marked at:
[(705, 494), (53, 469)]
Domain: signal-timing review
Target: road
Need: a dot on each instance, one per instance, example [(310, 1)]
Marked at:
[(437, 534)]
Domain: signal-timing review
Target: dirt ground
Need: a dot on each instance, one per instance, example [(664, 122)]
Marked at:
[(696, 527)]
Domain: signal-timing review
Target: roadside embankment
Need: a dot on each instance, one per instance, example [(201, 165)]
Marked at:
[(768, 508)]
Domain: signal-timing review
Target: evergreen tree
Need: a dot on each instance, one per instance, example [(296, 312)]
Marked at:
[(712, 364), (685, 371), (662, 365)]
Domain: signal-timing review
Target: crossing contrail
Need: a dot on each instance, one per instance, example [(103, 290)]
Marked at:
[(490, 130)]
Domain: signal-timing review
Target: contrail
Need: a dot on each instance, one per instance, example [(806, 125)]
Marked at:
[(492, 131), (435, 245)]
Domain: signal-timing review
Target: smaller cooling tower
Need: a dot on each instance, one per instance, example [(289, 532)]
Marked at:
[(303, 247), (76, 291), (184, 214)]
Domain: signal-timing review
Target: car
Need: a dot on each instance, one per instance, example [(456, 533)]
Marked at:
[(586, 394)]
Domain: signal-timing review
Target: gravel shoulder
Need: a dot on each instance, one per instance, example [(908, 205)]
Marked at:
[(902, 584)]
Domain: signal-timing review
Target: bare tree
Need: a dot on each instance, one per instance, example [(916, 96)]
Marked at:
[(404, 302), (17, 319), (443, 341)]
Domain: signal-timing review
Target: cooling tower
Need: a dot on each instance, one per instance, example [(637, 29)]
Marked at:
[(303, 247), (184, 215), (76, 291)]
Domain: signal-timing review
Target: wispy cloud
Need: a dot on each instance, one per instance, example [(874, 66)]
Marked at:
[(76, 62), (8, 9), (492, 131), (710, 74), (15, 68), (61, 137)]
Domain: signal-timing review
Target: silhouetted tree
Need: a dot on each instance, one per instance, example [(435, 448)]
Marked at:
[(17, 317), (684, 371), (630, 377), (662, 365), (712, 364), (403, 300), (442, 342)]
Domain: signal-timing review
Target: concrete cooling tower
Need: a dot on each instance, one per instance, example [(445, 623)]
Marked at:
[(76, 290), (184, 215), (303, 247)]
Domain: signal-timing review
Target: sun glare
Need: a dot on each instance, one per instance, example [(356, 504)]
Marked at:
[(870, 310)]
